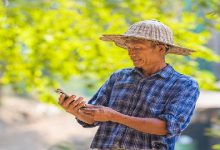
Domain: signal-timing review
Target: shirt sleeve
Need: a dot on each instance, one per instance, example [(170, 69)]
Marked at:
[(180, 107), (101, 97)]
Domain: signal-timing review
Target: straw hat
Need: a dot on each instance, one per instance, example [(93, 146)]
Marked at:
[(152, 30)]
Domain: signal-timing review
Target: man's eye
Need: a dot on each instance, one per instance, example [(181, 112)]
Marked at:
[(137, 48), (134, 48)]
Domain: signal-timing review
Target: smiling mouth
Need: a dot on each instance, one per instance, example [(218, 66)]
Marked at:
[(136, 60)]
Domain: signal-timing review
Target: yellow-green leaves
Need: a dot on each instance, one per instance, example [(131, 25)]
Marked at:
[(43, 43)]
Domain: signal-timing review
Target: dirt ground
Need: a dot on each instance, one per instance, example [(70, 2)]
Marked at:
[(29, 125)]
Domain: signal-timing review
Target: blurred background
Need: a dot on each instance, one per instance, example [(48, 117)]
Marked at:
[(49, 44)]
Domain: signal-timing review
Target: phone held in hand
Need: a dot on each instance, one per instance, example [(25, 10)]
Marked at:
[(60, 91)]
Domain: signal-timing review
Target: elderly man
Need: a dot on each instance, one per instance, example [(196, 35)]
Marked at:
[(145, 107)]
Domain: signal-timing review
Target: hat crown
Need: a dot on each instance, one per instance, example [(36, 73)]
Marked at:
[(151, 30)]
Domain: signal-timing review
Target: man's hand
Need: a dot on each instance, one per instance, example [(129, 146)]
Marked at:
[(71, 105), (100, 113)]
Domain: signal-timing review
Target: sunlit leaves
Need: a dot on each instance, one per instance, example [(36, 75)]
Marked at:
[(46, 42)]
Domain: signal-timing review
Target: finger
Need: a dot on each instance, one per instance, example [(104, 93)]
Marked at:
[(88, 114), (67, 102), (89, 105), (61, 99), (89, 111), (93, 106), (76, 102), (85, 105), (80, 105), (98, 106)]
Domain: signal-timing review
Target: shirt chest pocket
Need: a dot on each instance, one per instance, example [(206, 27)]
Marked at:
[(156, 105), (122, 90), (121, 95), (121, 85)]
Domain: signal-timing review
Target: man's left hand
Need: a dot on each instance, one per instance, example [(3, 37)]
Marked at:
[(100, 113)]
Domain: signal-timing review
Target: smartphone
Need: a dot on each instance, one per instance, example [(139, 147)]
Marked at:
[(60, 91)]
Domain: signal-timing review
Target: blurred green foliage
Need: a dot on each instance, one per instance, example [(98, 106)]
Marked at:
[(210, 14), (209, 11), (214, 132), (216, 147), (45, 42)]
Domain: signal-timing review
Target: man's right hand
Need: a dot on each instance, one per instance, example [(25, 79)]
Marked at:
[(71, 104)]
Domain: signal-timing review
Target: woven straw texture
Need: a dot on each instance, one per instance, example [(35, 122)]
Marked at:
[(152, 30)]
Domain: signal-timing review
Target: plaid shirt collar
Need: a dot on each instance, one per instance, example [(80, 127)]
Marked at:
[(166, 72)]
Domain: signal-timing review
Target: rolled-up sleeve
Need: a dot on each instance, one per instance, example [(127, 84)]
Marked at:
[(101, 97), (180, 107)]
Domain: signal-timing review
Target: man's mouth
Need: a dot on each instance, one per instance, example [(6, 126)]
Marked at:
[(136, 60)]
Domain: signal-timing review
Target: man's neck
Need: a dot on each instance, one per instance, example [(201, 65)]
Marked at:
[(154, 68)]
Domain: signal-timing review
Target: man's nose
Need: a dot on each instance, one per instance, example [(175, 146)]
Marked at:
[(131, 51)]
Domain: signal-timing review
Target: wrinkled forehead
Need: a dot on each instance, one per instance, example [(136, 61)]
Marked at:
[(137, 42)]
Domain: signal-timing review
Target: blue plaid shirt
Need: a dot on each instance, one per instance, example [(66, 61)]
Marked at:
[(167, 95)]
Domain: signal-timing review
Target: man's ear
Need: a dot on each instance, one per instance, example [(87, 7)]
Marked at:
[(162, 49)]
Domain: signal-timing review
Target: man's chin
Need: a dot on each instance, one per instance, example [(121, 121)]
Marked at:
[(137, 65)]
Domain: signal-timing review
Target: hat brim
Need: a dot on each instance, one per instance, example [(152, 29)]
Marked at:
[(120, 40)]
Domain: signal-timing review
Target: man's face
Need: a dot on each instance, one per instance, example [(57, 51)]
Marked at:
[(143, 53)]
